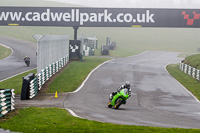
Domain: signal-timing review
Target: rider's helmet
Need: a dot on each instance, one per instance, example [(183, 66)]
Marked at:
[(127, 85)]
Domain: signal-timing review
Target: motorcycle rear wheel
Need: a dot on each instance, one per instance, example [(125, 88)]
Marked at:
[(27, 63), (109, 104)]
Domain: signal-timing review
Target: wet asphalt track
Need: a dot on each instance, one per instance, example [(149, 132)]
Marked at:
[(157, 98), (14, 64)]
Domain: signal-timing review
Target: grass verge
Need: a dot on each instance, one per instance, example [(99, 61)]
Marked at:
[(69, 80), (15, 82), (59, 120), (189, 82), (193, 61), (43, 120), (74, 74), (4, 52), (129, 41)]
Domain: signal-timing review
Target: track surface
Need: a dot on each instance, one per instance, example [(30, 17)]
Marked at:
[(14, 64), (157, 98)]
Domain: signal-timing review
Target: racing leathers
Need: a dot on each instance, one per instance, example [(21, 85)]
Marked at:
[(118, 90)]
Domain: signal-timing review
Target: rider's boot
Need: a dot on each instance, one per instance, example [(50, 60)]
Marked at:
[(111, 96)]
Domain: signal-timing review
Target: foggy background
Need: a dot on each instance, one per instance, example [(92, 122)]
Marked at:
[(194, 4)]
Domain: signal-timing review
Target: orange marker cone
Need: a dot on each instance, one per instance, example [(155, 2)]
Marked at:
[(56, 95)]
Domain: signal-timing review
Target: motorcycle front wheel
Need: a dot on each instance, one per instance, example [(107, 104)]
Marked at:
[(118, 103)]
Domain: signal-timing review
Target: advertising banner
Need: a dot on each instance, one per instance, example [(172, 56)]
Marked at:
[(99, 17)]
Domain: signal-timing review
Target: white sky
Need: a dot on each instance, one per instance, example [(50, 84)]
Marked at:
[(136, 3)]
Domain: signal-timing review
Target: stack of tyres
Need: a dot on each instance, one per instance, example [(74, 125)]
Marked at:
[(6, 101), (26, 86)]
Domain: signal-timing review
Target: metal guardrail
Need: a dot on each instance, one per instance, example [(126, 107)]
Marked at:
[(195, 73), (37, 83), (6, 101), (51, 48)]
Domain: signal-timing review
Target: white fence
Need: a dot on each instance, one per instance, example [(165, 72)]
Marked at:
[(51, 48), (190, 70), (52, 55)]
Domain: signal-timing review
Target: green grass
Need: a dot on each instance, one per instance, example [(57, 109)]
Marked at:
[(4, 52), (193, 60), (69, 80), (55, 120), (74, 74), (189, 82), (15, 82), (130, 41)]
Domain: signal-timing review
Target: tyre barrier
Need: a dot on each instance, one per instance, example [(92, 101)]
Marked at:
[(104, 50), (6, 101), (32, 84), (112, 46), (190, 70), (25, 93), (33, 88)]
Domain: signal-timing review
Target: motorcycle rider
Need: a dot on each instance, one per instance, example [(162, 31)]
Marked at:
[(126, 85), (26, 58)]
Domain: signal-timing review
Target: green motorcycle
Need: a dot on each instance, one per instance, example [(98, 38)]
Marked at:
[(119, 98)]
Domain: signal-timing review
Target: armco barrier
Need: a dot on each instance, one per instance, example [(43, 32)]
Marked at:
[(190, 70), (32, 84), (6, 101)]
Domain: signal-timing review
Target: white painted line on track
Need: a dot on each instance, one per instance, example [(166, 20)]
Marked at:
[(89, 76), (72, 113), (16, 75), (3, 45), (183, 87), (138, 54), (69, 110), (9, 56)]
